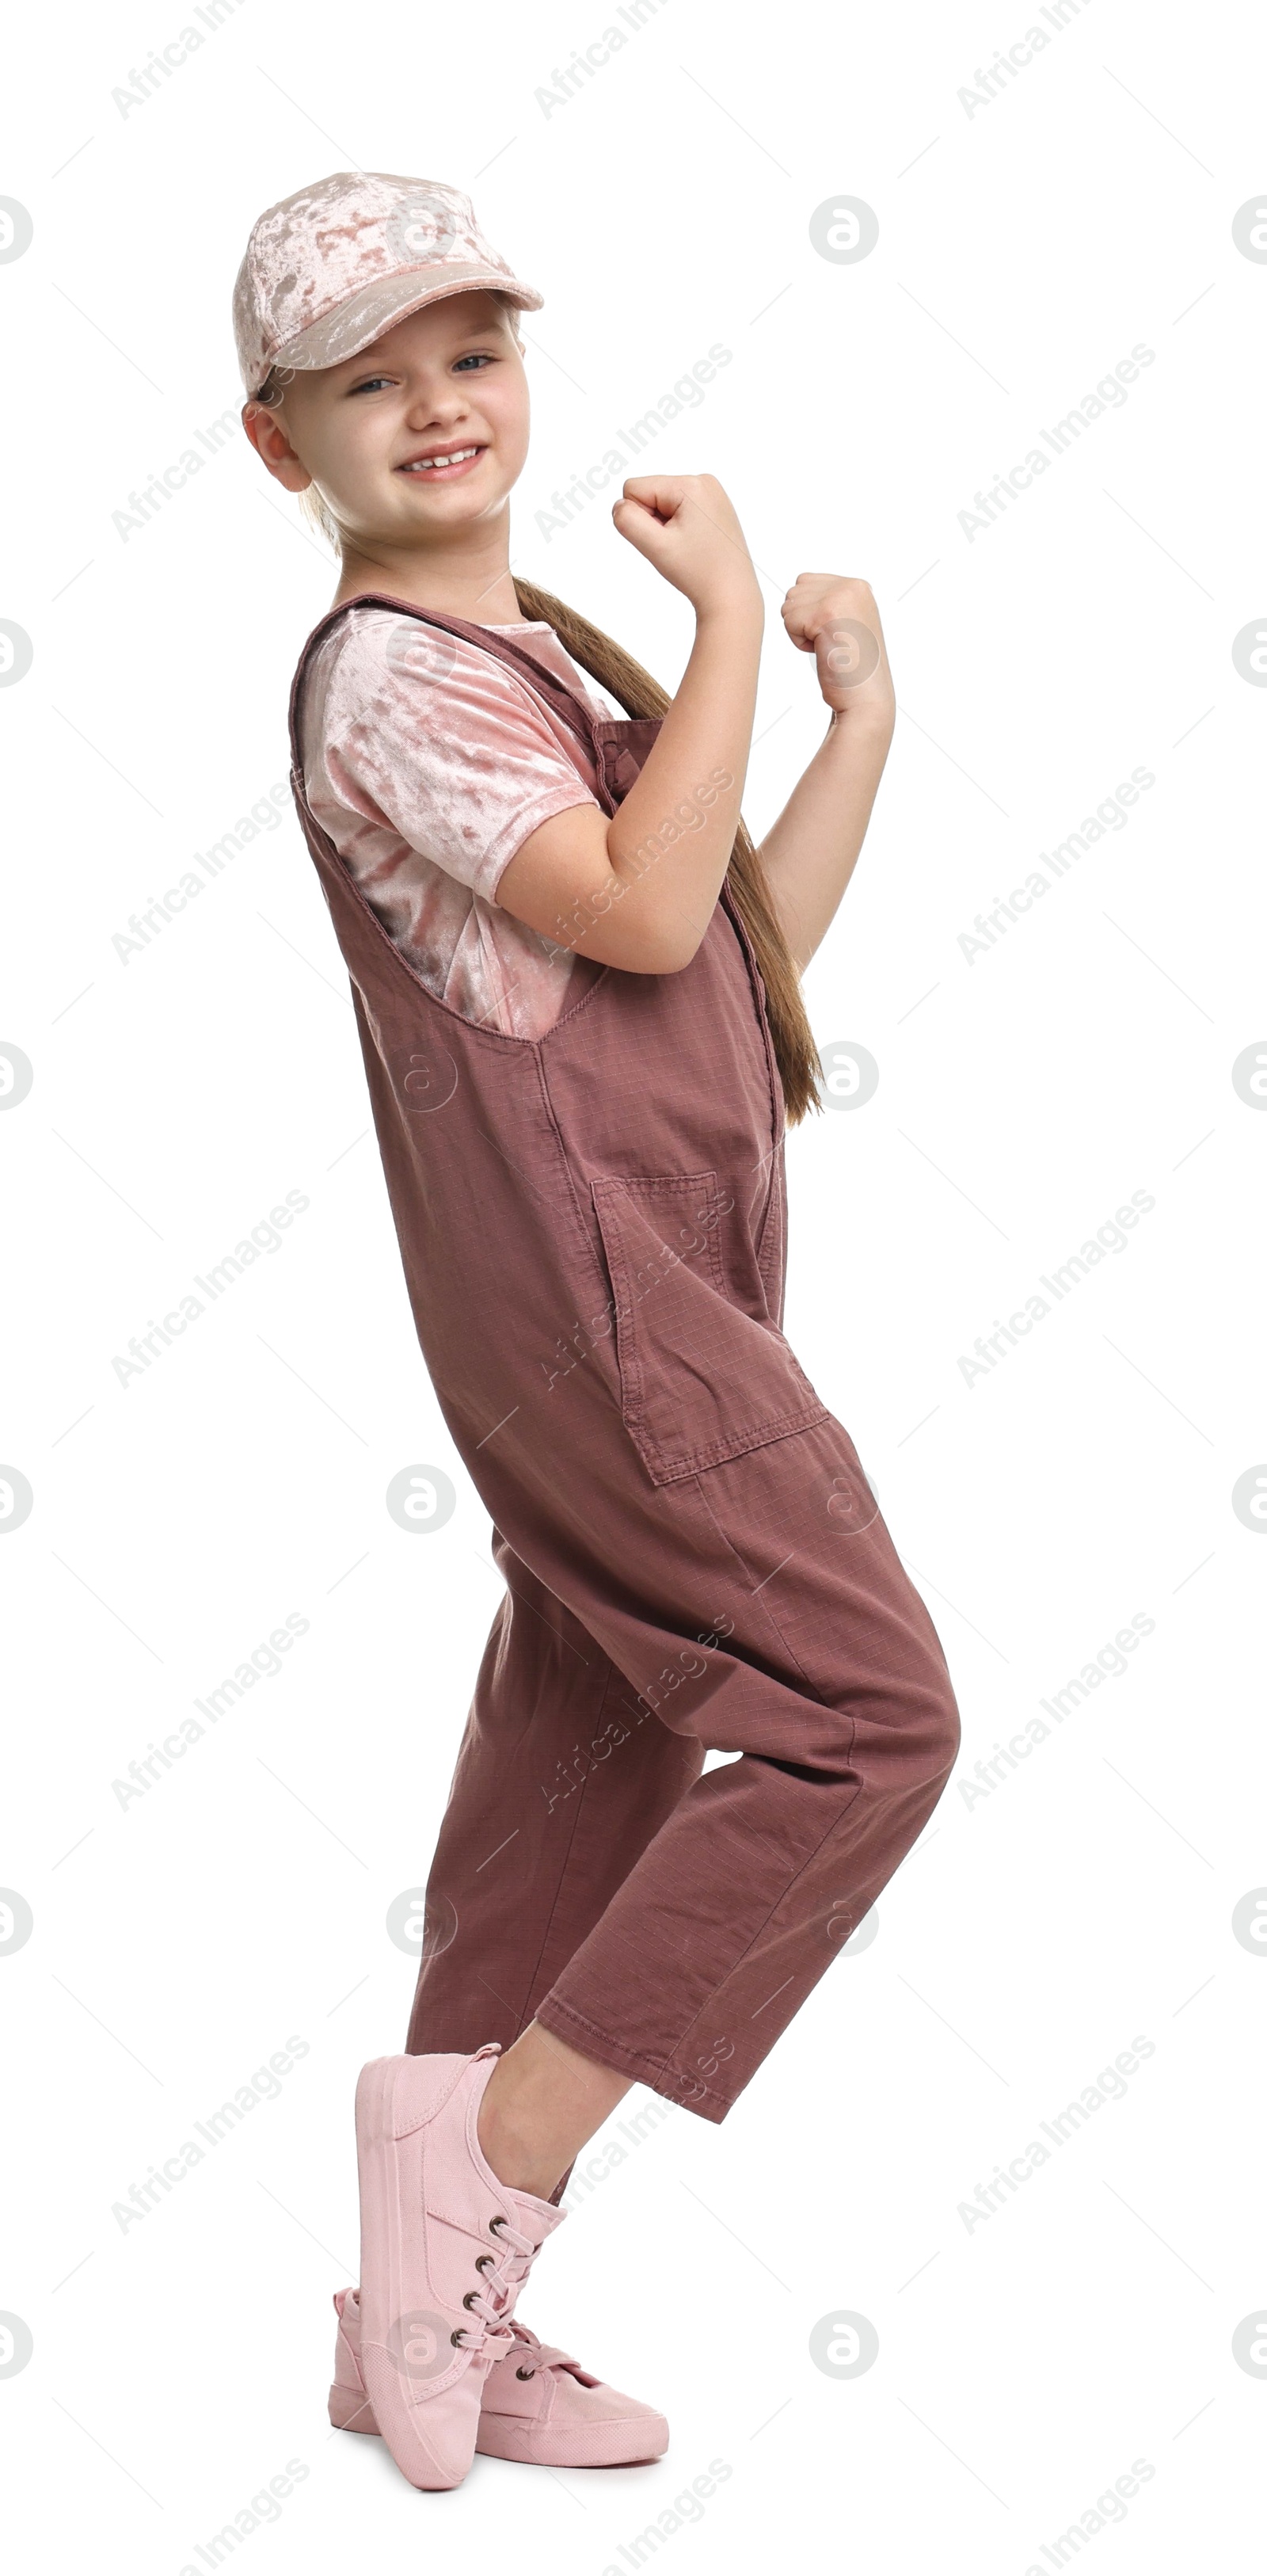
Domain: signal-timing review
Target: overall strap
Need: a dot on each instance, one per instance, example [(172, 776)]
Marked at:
[(561, 700)]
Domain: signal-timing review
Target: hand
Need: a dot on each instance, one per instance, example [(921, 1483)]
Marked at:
[(684, 524), (837, 620)]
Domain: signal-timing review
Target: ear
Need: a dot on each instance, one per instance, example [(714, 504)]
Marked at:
[(269, 439)]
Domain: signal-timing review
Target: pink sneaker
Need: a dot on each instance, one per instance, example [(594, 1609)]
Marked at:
[(538, 2404), (445, 2249)]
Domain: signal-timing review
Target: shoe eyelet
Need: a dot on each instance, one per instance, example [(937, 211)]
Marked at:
[(494, 2224), (525, 2374), (485, 2262), (471, 2297), (456, 2337)]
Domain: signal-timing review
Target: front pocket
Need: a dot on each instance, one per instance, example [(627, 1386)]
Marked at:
[(700, 1380)]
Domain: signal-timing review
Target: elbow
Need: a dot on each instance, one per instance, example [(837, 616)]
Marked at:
[(674, 954), (658, 946), (648, 930), (663, 952)]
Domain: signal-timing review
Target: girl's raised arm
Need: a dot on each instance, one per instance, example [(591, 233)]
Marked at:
[(615, 888), (599, 885), (809, 853)]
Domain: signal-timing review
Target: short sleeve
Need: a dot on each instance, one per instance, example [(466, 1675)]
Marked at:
[(442, 743)]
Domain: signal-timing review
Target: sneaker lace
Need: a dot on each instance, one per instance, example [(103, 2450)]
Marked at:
[(532, 2355), (492, 2304)]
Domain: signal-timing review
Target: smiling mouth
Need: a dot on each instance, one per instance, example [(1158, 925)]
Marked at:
[(442, 469)]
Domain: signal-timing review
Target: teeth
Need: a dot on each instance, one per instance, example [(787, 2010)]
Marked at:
[(428, 464)]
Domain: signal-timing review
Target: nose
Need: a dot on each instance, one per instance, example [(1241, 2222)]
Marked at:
[(436, 404)]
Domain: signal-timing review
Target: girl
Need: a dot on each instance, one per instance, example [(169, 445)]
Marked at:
[(576, 985)]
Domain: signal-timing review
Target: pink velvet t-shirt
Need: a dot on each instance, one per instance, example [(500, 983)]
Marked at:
[(429, 763)]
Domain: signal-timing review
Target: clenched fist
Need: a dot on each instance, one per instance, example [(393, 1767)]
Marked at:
[(686, 525), (837, 620)]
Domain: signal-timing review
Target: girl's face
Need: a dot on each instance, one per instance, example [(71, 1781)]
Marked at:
[(449, 378)]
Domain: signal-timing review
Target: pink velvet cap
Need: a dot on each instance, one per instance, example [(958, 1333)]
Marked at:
[(328, 270)]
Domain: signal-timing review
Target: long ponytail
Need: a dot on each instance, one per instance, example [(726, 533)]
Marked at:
[(615, 670)]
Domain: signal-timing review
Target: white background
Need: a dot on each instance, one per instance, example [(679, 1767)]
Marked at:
[(1027, 2360)]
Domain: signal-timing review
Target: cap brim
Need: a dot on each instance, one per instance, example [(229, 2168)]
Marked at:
[(364, 317)]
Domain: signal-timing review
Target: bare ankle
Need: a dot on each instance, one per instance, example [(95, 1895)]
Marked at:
[(515, 2160), (540, 2104)]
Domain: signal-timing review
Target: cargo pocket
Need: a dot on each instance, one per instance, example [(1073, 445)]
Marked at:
[(700, 1380)]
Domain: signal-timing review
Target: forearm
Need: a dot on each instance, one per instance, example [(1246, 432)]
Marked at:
[(810, 853), (670, 841)]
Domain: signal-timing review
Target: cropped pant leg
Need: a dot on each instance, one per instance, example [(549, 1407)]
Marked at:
[(662, 1919), (561, 1781)]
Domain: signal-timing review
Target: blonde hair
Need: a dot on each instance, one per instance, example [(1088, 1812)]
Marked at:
[(319, 515), (640, 695)]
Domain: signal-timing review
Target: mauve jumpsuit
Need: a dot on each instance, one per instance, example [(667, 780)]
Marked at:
[(592, 1227)]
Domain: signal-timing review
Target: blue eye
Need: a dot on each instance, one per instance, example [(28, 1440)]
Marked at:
[(369, 384)]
